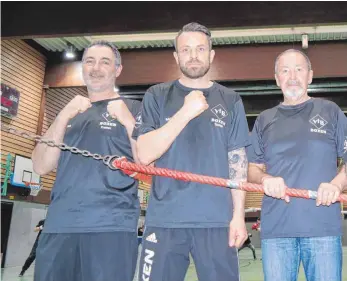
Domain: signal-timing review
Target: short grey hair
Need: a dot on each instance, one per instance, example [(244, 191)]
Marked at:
[(194, 27), (104, 43), (294, 51)]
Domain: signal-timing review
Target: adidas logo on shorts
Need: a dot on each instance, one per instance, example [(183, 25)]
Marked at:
[(152, 238)]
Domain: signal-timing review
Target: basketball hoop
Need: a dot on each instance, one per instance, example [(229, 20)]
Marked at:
[(34, 187)]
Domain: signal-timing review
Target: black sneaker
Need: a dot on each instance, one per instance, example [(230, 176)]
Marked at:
[(21, 274)]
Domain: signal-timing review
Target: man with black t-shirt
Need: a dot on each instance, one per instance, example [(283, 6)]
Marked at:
[(298, 142), (90, 231), (196, 125)]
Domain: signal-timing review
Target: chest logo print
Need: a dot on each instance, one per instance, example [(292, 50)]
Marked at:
[(318, 122), (108, 117), (109, 121), (220, 112)]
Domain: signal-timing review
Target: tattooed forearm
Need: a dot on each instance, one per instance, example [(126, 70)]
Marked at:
[(232, 173), (234, 158), (238, 165)]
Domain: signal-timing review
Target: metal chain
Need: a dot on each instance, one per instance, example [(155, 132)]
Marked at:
[(62, 146)]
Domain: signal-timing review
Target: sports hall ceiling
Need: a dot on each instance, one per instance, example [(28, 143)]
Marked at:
[(138, 25)]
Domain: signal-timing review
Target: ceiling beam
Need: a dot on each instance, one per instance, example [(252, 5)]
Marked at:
[(57, 19), (231, 63), (226, 33)]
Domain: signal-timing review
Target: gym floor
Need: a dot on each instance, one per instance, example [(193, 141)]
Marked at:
[(250, 270)]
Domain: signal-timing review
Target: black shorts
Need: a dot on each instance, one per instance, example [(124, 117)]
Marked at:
[(165, 254), (86, 257)]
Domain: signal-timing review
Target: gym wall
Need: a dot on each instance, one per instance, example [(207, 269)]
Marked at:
[(22, 68)]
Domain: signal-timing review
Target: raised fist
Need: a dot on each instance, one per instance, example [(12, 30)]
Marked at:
[(194, 104), (77, 105)]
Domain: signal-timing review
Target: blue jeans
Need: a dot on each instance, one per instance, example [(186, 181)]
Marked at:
[(321, 258)]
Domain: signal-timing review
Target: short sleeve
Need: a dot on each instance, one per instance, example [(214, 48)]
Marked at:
[(255, 151), (238, 134), (148, 118), (341, 135), (136, 108)]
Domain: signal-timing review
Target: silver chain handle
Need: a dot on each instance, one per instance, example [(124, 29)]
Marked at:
[(62, 146)]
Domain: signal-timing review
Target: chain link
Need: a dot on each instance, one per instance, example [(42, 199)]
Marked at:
[(62, 146)]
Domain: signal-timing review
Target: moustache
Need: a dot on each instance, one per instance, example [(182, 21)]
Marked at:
[(293, 83), (96, 74), (194, 61)]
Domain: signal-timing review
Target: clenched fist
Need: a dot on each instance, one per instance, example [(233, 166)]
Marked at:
[(77, 105), (275, 187), (118, 110), (194, 104)]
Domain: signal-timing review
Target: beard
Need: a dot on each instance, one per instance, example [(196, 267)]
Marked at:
[(294, 93), (195, 72)]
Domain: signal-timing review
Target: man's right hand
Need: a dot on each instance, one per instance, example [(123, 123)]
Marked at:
[(194, 104), (77, 105), (275, 187)]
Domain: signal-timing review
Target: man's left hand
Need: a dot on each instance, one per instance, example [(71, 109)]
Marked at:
[(118, 109), (237, 232), (327, 194)]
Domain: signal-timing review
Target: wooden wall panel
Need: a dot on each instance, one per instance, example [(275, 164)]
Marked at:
[(253, 200), (23, 68)]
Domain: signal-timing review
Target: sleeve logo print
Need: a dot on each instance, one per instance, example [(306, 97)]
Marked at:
[(138, 120), (345, 145)]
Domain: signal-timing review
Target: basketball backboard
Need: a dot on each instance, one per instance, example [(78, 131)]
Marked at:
[(23, 172)]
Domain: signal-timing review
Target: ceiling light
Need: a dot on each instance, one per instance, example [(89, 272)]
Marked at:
[(70, 51)]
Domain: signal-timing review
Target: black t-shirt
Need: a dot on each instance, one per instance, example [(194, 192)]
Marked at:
[(301, 144), (202, 147), (88, 196)]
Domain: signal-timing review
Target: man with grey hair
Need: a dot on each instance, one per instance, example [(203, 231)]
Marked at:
[(196, 125), (298, 142), (90, 229)]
